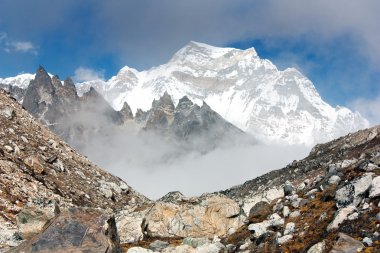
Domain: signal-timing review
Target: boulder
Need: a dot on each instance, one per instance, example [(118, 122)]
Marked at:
[(76, 230), (129, 226), (215, 215), (353, 192), (346, 244), (340, 217)]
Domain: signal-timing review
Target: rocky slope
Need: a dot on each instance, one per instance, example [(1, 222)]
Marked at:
[(246, 90), (37, 169), (327, 202)]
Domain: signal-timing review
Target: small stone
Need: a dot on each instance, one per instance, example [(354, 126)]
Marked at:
[(288, 188), (286, 211), (58, 165), (378, 216), (53, 143), (353, 216), (295, 214), (334, 179), (42, 148), (195, 242), (317, 248), (347, 163), (9, 149), (365, 206), (367, 241), (7, 112), (158, 245), (24, 139), (311, 192), (333, 169), (139, 250), (124, 187), (34, 163), (289, 228), (284, 239)]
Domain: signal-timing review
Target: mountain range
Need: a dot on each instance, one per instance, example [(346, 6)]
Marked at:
[(247, 91)]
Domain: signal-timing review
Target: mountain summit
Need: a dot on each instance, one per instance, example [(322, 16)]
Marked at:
[(248, 91)]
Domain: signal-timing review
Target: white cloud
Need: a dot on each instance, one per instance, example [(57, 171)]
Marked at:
[(83, 74), (23, 46), (14, 46), (369, 108)]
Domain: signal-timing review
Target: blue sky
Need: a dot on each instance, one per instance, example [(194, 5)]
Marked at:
[(334, 43)]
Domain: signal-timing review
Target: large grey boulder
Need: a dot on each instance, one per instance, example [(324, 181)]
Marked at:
[(76, 230)]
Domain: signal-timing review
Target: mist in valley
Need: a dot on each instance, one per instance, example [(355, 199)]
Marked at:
[(155, 164)]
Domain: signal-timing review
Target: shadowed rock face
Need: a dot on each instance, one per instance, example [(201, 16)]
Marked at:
[(191, 126), (58, 106), (76, 230)]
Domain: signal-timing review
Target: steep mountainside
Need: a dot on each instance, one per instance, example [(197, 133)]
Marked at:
[(37, 167), (246, 90)]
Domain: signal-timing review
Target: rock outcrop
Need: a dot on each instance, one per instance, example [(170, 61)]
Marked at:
[(197, 217)]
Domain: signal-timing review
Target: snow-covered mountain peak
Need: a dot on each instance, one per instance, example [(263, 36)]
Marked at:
[(21, 80), (248, 91)]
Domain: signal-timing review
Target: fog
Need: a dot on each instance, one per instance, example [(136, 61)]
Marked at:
[(154, 165)]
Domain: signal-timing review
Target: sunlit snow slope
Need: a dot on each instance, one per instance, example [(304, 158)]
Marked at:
[(247, 91)]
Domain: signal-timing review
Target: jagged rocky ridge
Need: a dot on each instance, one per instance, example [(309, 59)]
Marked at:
[(328, 201), (78, 119)]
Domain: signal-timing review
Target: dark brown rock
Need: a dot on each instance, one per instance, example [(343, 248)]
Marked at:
[(259, 212)]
